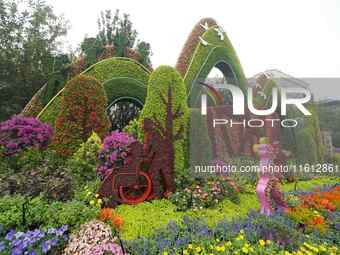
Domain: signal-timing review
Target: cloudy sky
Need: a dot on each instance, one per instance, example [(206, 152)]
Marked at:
[(301, 38)]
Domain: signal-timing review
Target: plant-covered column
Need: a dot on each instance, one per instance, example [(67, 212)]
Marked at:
[(160, 81)]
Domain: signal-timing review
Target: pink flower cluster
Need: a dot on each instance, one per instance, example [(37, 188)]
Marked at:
[(20, 133), (111, 248)]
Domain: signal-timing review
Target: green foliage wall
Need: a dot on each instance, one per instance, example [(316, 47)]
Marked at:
[(308, 129), (83, 110), (200, 147), (306, 147), (159, 82)]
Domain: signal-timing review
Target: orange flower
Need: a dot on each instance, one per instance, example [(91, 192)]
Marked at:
[(318, 220), (105, 214), (117, 221)]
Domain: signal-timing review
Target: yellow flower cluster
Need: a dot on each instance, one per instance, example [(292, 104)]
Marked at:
[(309, 249), (240, 246), (93, 199)]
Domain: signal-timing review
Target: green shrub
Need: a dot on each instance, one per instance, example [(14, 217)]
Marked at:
[(40, 213), (83, 163), (160, 80), (134, 130), (83, 110)]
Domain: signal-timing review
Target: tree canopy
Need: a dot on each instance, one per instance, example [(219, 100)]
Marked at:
[(30, 50)]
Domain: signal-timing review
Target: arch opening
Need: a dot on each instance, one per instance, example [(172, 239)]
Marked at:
[(123, 110)]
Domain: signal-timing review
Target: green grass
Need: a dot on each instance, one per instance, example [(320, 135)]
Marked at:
[(145, 218)]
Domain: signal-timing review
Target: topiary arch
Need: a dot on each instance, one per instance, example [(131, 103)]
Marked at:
[(121, 77), (207, 47)]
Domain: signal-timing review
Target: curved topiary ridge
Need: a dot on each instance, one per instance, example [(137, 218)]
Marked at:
[(159, 82), (207, 46), (132, 75)]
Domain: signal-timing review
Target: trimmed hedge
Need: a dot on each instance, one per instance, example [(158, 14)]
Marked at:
[(83, 110), (123, 69), (160, 80)]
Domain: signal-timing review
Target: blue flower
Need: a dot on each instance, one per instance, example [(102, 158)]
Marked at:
[(2, 246), (17, 251), (45, 247), (51, 231), (10, 235)]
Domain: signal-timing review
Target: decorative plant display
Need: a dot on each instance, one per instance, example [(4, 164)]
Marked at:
[(20, 133), (107, 166)]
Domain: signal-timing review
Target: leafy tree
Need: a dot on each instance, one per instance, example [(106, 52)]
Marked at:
[(29, 51), (116, 31)]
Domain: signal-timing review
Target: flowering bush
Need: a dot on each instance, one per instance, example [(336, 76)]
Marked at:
[(83, 163), (93, 238), (33, 242), (83, 110), (20, 133), (204, 193), (114, 151), (314, 208), (326, 200)]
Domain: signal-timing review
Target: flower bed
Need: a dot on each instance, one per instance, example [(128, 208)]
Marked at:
[(33, 242)]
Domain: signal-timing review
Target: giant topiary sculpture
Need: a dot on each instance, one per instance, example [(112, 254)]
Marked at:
[(83, 110), (160, 81)]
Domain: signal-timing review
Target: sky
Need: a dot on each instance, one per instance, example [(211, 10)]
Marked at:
[(301, 38)]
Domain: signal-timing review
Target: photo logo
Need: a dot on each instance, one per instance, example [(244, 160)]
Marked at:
[(239, 101)]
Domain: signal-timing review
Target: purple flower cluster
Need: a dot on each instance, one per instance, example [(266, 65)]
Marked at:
[(20, 133), (33, 242), (114, 151)]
